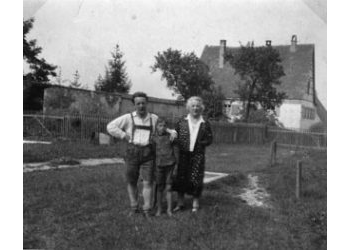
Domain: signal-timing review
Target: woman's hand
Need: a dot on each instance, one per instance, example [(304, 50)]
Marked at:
[(173, 134)]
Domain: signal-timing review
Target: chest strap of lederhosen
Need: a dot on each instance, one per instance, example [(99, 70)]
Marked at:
[(142, 127)]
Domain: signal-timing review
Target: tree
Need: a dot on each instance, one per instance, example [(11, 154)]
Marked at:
[(58, 77), (98, 82), (184, 72), (260, 116), (41, 70), (213, 102), (260, 70), (75, 83), (116, 78)]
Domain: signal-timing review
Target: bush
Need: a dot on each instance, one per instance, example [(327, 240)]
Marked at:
[(261, 116)]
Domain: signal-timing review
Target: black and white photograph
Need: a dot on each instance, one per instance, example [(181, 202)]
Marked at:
[(175, 124)]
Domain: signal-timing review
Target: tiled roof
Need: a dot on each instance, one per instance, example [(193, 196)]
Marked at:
[(298, 67)]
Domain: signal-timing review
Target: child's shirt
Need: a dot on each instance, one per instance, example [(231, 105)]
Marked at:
[(166, 151)]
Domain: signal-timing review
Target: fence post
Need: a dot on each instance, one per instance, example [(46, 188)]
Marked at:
[(273, 153), (81, 127), (298, 179), (265, 132), (235, 134)]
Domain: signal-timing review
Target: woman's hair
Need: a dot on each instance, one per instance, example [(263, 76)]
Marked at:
[(193, 99), (139, 94)]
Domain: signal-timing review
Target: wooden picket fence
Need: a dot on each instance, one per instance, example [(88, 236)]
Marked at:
[(85, 127), (75, 127)]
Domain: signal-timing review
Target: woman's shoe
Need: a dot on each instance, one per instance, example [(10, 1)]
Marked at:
[(195, 209)]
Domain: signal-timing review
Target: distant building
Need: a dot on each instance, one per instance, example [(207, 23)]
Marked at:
[(52, 99), (301, 110)]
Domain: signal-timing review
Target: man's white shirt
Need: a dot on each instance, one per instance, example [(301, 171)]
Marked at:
[(122, 126)]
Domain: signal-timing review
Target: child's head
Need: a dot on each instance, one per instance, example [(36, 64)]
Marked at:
[(161, 125)]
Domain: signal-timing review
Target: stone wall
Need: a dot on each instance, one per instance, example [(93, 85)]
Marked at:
[(59, 100)]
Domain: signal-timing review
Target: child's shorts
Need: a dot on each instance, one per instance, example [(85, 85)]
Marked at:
[(164, 174)]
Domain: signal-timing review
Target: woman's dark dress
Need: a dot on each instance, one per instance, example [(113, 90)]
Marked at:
[(191, 165)]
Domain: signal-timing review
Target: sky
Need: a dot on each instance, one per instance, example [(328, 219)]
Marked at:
[(80, 34)]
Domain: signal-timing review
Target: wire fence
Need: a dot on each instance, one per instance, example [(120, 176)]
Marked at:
[(86, 127)]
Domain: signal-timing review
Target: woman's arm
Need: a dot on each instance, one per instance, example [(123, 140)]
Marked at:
[(207, 137), (209, 134)]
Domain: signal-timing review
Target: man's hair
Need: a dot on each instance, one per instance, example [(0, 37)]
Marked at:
[(139, 94)]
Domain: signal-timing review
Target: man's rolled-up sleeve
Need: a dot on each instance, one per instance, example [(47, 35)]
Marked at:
[(117, 127)]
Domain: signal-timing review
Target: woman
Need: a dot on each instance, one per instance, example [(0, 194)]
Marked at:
[(194, 135)]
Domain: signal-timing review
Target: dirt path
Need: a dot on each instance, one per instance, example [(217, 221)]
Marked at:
[(68, 163), (73, 163), (254, 194)]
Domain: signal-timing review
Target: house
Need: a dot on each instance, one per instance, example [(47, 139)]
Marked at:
[(301, 109)]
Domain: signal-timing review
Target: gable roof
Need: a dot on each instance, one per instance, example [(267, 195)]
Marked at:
[(298, 68), (321, 112)]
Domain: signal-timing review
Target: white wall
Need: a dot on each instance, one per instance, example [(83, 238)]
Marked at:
[(290, 115)]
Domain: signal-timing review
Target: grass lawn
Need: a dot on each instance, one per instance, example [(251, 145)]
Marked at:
[(220, 157), (77, 150), (86, 208)]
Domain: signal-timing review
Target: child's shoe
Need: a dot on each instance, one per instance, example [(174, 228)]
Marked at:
[(178, 208), (158, 213)]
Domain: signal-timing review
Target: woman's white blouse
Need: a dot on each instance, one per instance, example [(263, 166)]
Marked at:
[(194, 128)]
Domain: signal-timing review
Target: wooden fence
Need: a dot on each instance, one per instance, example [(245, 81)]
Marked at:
[(76, 127), (84, 127)]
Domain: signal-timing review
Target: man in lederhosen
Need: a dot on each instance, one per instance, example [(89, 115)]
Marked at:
[(137, 128)]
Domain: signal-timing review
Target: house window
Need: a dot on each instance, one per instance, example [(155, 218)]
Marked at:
[(308, 113), (236, 108)]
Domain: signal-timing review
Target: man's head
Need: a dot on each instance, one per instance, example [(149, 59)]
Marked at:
[(161, 125), (140, 99)]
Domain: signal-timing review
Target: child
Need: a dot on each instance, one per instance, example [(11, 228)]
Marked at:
[(166, 164)]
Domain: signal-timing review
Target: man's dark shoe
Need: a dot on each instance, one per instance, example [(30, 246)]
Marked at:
[(147, 214), (133, 212)]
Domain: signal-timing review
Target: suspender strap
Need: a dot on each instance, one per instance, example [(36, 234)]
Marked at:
[(133, 128), (143, 127), (151, 129)]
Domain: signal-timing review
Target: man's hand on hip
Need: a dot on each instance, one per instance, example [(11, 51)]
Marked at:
[(127, 137)]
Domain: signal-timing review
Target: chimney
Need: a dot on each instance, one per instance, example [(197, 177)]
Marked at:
[(268, 42), (293, 46), (222, 53)]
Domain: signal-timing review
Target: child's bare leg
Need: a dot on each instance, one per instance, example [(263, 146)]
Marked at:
[(180, 202), (180, 199), (160, 191), (169, 200)]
